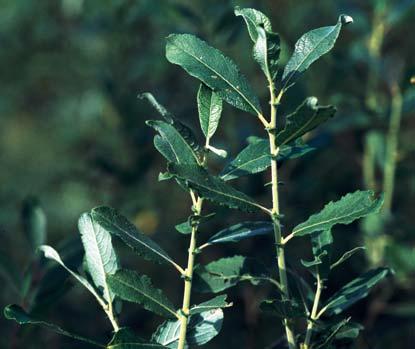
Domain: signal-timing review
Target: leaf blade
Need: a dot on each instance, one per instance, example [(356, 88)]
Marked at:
[(133, 287), (209, 106), (100, 255), (118, 225), (354, 291), (241, 231), (213, 188), (310, 47), (214, 69), (344, 211)]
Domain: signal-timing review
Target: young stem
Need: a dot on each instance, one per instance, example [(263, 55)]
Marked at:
[(275, 213), (392, 147), (314, 313), (110, 314), (188, 275)]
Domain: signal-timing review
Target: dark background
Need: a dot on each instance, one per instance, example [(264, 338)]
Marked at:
[(72, 134)]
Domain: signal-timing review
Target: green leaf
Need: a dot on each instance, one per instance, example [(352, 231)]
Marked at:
[(256, 158), (322, 242), (240, 231), (136, 288), (283, 308), (310, 47), (227, 272), (50, 253), (16, 313), (304, 119), (334, 331), (125, 339), (346, 256), (201, 329), (354, 291), (184, 228), (266, 48), (120, 226), (171, 144), (100, 257), (34, 223), (344, 211), (214, 69), (185, 132), (210, 108), (214, 303), (213, 188)]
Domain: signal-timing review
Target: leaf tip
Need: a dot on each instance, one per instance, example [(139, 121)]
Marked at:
[(345, 19)]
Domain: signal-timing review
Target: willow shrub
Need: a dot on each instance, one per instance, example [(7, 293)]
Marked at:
[(310, 319)]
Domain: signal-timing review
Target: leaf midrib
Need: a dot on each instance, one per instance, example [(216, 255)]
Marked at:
[(244, 164), (228, 195), (295, 232), (165, 257), (254, 108), (291, 74), (121, 281)]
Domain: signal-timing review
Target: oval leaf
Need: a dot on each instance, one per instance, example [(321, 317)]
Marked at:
[(209, 105), (100, 256), (214, 69)]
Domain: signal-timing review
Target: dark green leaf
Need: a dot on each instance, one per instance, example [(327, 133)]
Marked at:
[(210, 108), (184, 131), (118, 225), (241, 231), (304, 119), (256, 157), (172, 145), (133, 287), (213, 188), (354, 291), (100, 257), (214, 303), (266, 48), (344, 211), (16, 313), (186, 227), (34, 222), (322, 242), (200, 329), (283, 308), (227, 272), (212, 68), (125, 339), (310, 47)]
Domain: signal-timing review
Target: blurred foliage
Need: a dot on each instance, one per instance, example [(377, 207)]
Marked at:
[(73, 136)]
